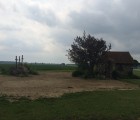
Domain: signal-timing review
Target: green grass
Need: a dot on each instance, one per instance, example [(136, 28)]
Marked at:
[(52, 67), (5, 67), (136, 72), (40, 67), (97, 105)]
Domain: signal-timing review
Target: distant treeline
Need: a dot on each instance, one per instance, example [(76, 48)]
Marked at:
[(13, 62), (7, 62)]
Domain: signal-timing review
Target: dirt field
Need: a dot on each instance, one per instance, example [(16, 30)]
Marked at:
[(54, 84)]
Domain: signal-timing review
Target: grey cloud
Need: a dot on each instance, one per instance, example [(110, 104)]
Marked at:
[(63, 37), (120, 22), (14, 44), (97, 23), (108, 19), (43, 16)]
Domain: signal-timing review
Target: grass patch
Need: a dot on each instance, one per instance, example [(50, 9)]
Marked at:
[(136, 72), (4, 68), (97, 105)]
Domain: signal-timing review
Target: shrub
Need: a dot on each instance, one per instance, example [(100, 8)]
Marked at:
[(77, 73), (33, 72), (121, 75), (3, 71), (115, 74), (87, 74), (83, 74), (22, 70)]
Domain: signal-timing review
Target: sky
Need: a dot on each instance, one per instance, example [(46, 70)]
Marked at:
[(43, 30)]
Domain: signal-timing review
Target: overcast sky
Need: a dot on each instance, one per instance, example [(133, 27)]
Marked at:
[(42, 30)]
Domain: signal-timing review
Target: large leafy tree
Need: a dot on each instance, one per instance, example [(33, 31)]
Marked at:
[(87, 51)]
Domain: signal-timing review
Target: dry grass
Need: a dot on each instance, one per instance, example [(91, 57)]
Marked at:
[(54, 84)]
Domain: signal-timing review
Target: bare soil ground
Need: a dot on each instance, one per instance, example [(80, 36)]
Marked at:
[(54, 84)]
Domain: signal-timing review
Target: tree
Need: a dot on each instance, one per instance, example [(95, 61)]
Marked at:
[(87, 51)]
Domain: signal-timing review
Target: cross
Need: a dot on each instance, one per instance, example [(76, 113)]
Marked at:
[(16, 61), (19, 59), (22, 59)]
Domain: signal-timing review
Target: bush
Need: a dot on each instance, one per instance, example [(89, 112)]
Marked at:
[(115, 74), (121, 75), (87, 74), (22, 71), (83, 74), (33, 72), (4, 71), (77, 73)]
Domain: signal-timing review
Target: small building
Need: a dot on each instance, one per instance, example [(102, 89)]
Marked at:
[(121, 62)]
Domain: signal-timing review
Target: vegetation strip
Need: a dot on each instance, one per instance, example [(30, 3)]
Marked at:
[(97, 105)]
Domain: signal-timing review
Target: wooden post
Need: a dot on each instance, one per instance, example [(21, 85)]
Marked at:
[(19, 59), (22, 59), (16, 61)]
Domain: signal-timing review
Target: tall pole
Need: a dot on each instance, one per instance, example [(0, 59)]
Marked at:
[(19, 59), (16, 61), (22, 59)]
